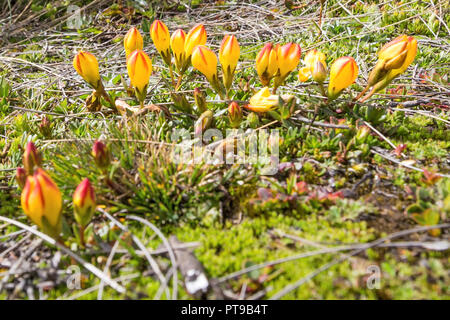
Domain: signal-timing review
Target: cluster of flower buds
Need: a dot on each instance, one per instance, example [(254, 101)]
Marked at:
[(277, 62), (41, 199), (205, 60), (343, 72), (182, 45)]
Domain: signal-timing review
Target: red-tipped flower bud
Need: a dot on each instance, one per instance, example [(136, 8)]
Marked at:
[(234, 114), (101, 154), (45, 127), (84, 203), (31, 158)]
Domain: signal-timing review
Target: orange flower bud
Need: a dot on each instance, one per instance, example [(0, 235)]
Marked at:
[(84, 203), (161, 39), (42, 202), (229, 56), (343, 73), (31, 158), (139, 68), (195, 37), (393, 59), (133, 41), (288, 58), (266, 64), (101, 154), (263, 101), (86, 65), (205, 61), (21, 177), (177, 44), (234, 114)]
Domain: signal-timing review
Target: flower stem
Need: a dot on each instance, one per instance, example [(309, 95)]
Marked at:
[(82, 241), (322, 90), (171, 75), (101, 90), (361, 93), (180, 78), (368, 95)]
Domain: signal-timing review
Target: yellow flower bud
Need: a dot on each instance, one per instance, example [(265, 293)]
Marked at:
[(266, 64), (393, 59), (343, 73), (263, 101), (41, 201), (84, 203), (229, 56), (205, 61), (318, 71), (31, 158), (195, 37), (139, 68), (315, 67), (177, 45), (313, 55), (288, 59), (86, 65), (133, 41), (161, 39)]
